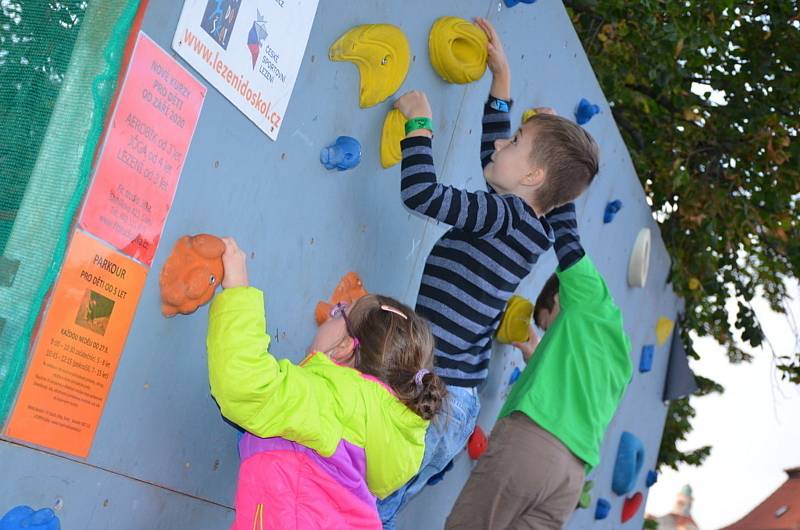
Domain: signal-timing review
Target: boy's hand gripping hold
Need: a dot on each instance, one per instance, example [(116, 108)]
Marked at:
[(497, 61)]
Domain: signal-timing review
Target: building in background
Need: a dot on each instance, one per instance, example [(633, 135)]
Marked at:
[(680, 518), (779, 511)]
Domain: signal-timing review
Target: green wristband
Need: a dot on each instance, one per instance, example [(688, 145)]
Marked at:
[(418, 123)]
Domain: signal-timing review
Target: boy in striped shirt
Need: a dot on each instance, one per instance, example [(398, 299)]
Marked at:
[(496, 237)]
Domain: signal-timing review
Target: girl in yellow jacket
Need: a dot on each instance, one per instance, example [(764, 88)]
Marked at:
[(325, 438)]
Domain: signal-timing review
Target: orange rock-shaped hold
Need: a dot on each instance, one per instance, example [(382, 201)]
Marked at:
[(191, 274), (350, 289)]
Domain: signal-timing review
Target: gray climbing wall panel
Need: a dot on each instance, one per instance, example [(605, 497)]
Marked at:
[(163, 457)]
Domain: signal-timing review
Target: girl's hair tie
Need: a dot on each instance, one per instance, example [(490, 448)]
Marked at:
[(419, 375)]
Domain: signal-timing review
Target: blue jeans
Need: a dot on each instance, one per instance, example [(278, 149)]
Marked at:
[(446, 437)]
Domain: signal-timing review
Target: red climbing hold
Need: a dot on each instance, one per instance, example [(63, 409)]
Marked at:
[(477, 444), (631, 506)]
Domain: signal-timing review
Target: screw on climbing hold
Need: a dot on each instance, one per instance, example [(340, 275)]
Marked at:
[(512, 3), (646, 361), (694, 284), (342, 155), (514, 375), (652, 478), (631, 506), (477, 443), (612, 207), (585, 111), (602, 509)]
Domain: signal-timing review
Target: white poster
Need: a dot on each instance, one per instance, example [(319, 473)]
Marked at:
[(249, 50)]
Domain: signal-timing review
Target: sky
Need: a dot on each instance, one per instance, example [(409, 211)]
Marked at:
[(754, 427)]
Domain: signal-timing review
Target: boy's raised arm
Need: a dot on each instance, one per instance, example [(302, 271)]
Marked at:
[(568, 242), (496, 123)]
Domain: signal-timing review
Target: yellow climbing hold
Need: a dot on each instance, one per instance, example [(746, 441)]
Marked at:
[(394, 130), (528, 114), (382, 55), (694, 284), (515, 324), (663, 329), (458, 50)]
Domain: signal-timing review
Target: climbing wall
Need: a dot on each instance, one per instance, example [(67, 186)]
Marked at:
[(162, 456)]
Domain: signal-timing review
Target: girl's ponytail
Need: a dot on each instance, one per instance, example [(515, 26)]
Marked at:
[(429, 394)]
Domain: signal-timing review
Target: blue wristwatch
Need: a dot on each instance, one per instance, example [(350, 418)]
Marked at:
[(499, 104)]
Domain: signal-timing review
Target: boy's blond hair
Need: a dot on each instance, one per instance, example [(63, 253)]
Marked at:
[(569, 157)]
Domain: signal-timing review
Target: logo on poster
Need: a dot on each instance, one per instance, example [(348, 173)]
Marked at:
[(218, 19), (256, 36)]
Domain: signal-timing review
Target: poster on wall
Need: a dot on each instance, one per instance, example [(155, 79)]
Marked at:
[(145, 148), (79, 347), (249, 50)]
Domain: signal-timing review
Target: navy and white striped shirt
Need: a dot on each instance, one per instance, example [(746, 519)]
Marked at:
[(477, 265)]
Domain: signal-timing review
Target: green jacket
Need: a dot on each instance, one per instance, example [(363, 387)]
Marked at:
[(577, 377)]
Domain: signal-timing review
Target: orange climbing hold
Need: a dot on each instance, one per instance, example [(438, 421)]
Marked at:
[(191, 274), (350, 289), (477, 444)]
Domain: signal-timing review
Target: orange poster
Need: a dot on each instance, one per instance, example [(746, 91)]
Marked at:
[(141, 162), (79, 346)]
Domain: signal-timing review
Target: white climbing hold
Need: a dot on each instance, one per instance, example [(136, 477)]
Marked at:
[(639, 262)]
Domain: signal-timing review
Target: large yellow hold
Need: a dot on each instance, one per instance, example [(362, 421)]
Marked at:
[(515, 324), (394, 130), (382, 55), (458, 50)]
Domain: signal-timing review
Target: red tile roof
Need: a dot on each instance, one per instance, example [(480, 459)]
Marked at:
[(780, 511)]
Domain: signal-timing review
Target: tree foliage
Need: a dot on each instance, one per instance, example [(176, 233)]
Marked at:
[(707, 95)]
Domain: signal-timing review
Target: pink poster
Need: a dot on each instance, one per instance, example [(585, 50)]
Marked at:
[(141, 162)]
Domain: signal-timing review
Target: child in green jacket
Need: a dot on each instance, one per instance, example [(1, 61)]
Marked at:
[(552, 425)]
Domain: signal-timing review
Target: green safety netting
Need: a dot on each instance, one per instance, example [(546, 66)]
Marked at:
[(59, 63)]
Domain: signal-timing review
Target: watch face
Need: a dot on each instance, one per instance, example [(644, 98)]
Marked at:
[(499, 105)]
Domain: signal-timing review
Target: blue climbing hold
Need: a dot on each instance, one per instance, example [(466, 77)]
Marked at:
[(26, 518), (652, 478), (646, 362), (514, 375), (342, 155), (585, 111), (512, 3), (611, 210), (630, 459), (603, 507)]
